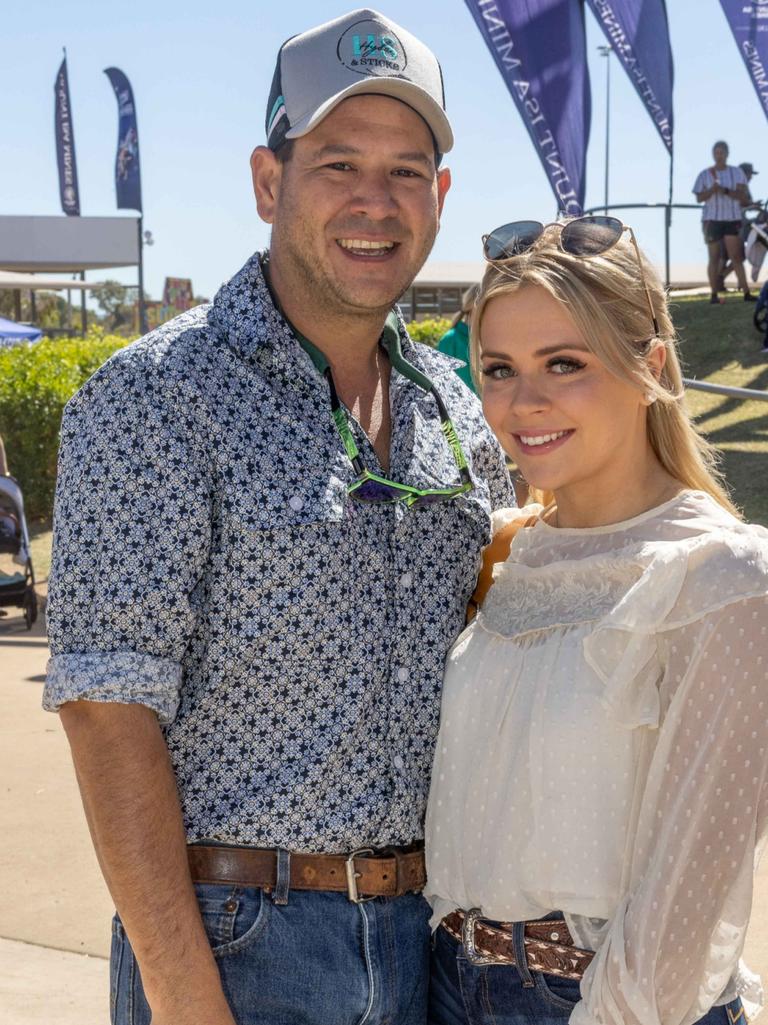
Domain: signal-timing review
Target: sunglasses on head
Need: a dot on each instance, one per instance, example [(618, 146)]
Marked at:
[(583, 237)]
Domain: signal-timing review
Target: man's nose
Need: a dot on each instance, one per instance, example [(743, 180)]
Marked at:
[(374, 197)]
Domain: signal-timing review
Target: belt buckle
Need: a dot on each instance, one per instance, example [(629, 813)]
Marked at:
[(353, 876), (471, 918)]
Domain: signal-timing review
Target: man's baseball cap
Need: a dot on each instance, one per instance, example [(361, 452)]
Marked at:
[(747, 168), (361, 52)]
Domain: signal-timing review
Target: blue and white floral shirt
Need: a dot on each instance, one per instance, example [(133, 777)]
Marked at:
[(208, 564)]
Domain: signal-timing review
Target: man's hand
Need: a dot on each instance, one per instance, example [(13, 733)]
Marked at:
[(132, 806)]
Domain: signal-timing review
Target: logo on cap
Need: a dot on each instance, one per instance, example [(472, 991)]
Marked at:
[(370, 48)]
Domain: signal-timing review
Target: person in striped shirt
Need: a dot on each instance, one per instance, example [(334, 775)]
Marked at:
[(723, 191)]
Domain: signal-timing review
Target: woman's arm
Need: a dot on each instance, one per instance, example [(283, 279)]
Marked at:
[(677, 936)]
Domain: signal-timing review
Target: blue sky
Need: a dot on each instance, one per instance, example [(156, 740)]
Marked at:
[(201, 74)]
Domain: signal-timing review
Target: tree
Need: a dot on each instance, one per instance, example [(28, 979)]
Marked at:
[(111, 298)]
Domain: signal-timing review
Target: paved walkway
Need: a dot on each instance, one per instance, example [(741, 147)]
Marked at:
[(55, 911)]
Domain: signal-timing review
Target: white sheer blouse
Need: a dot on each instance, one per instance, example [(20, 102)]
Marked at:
[(603, 752)]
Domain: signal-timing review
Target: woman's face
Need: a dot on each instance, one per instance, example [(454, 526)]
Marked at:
[(559, 413)]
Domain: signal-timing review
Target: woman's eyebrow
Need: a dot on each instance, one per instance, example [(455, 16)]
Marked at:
[(548, 350)]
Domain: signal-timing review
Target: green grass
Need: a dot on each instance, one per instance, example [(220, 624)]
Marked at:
[(718, 344)]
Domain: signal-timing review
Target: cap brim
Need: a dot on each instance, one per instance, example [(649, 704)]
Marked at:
[(413, 95)]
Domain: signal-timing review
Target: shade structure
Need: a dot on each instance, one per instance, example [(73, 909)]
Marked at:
[(11, 333)]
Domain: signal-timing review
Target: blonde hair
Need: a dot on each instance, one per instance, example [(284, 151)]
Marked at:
[(605, 297)]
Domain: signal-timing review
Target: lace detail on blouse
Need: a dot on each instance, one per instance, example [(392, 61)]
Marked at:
[(529, 599)]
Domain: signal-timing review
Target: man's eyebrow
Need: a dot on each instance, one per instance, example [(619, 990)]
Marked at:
[(338, 149)]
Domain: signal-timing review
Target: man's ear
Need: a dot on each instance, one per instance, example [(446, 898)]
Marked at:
[(266, 171), (443, 184)]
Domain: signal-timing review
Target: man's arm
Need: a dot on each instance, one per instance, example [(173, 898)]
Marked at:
[(132, 807)]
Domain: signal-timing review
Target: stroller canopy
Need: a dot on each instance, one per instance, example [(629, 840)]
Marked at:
[(11, 332)]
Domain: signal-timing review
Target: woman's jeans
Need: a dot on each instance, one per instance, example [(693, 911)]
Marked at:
[(465, 994), (317, 960)]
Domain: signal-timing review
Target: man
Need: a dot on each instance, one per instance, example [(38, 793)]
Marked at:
[(747, 203), (722, 190), (267, 532)]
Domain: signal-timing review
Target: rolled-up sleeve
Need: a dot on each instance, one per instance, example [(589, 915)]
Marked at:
[(131, 538)]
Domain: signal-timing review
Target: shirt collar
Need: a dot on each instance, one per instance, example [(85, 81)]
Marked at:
[(243, 310)]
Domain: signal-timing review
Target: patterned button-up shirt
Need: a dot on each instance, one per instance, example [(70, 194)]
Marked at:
[(209, 564)]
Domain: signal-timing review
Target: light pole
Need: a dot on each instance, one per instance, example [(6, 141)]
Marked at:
[(605, 51)]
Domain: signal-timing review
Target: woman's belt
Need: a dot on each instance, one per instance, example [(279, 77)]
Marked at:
[(548, 944)]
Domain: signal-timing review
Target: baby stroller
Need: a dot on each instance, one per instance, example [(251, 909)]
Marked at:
[(17, 577)]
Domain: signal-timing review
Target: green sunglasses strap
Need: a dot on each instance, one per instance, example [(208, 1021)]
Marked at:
[(390, 339)]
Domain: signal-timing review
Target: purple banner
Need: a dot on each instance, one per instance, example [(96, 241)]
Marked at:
[(65, 144), (539, 47), (748, 20), (127, 168), (639, 36)]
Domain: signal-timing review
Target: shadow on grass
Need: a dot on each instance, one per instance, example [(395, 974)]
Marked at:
[(745, 474)]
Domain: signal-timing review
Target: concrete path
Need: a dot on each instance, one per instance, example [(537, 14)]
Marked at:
[(55, 911)]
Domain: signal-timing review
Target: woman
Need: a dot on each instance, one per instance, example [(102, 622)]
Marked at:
[(455, 341), (599, 784)]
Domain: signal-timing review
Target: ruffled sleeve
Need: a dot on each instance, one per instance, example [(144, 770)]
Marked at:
[(693, 638), (680, 584)]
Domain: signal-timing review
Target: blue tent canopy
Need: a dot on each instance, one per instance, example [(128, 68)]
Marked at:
[(11, 332)]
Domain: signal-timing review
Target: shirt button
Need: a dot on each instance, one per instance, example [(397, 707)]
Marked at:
[(296, 502), (406, 579), (398, 763), (402, 674)]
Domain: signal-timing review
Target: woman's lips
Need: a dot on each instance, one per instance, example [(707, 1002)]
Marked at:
[(541, 442)]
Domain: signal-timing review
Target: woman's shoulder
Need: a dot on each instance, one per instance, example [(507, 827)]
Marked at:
[(696, 558)]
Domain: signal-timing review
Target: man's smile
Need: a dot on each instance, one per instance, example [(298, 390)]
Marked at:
[(368, 249)]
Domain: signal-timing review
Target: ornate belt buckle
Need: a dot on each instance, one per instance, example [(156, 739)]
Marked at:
[(353, 876), (471, 918)]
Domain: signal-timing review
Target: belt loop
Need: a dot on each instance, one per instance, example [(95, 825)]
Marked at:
[(283, 882), (521, 960)]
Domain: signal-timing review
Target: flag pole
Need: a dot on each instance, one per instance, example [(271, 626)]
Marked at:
[(668, 222), (605, 51), (142, 308)]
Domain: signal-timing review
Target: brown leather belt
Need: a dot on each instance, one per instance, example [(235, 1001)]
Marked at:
[(548, 944), (362, 875)]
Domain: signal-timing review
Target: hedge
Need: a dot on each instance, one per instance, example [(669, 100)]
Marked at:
[(36, 382), (38, 379)]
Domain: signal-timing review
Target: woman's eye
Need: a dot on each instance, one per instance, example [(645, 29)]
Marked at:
[(498, 372), (564, 365), (340, 165)]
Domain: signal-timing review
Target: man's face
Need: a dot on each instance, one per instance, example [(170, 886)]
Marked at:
[(358, 205), (720, 153)]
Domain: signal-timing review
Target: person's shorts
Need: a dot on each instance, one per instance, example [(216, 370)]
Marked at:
[(715, 231)]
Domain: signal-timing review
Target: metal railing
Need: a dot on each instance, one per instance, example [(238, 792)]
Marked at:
[(666, 207), (724, 389)]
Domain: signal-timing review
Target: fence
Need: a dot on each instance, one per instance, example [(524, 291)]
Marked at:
[(667, 208), (724, 389)]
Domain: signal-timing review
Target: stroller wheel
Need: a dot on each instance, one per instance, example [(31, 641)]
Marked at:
[(30, 607), (760, 319)]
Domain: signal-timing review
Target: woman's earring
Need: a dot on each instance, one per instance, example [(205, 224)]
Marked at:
[(650, 398)]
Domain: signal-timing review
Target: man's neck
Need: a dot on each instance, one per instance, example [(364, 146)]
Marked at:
[(348, 341)]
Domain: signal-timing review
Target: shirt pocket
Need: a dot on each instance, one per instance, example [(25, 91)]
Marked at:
[(283, 542)]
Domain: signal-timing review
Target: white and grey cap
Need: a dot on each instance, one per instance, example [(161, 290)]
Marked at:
[(361, 52)]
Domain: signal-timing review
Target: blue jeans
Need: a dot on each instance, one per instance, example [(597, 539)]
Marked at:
[(317, 960), (464, 994)]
